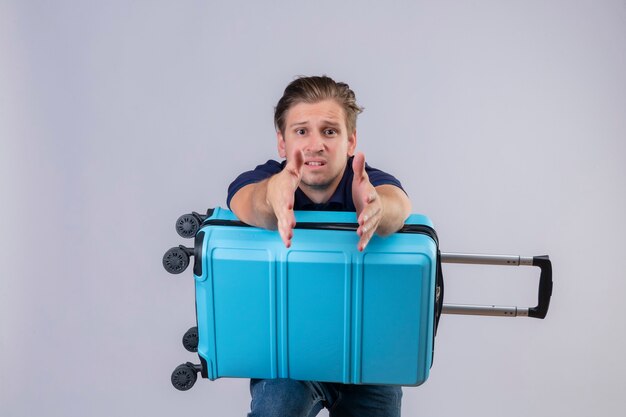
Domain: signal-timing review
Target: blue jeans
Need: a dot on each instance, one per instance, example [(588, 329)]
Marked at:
[(291, 398)]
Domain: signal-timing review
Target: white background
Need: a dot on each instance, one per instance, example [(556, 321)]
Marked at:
[(505, 121)]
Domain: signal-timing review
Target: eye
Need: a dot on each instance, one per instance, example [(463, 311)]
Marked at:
[(300, 132), (330, 132)]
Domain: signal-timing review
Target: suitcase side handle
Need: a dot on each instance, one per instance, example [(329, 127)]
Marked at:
[(544, 292)]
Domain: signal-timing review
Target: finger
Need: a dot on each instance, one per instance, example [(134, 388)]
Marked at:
[(365, 239), (369, 222), (371, 207), (370, 217), (286, 223), (295, 163), (298, 158), (358, 166), (286, 235)]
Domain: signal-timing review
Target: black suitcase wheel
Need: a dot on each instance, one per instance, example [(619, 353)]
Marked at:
[(184, 377), (190, 340), (187, 225), (175, 260)]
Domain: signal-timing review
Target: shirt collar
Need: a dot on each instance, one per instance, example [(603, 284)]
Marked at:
[(340, 200)]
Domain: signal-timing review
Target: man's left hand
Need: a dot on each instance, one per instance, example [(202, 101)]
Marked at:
[(369, 207)]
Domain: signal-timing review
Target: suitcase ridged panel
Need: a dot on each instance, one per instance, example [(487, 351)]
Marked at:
[(390, 336), (244, 275), (317, 292)]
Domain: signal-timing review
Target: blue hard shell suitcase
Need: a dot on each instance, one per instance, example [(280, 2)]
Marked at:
[(319, 310)]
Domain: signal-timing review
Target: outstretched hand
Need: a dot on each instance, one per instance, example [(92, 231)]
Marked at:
[(281, 189), (369, 208)]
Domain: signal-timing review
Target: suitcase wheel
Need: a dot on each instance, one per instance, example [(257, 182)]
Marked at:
[(184, 376), (187, 225), (175, 260), (190, 340)]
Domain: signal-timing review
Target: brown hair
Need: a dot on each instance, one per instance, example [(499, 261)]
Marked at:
[(313, 90)]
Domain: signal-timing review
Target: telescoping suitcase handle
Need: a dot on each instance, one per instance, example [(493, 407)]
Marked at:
[(545, 285)]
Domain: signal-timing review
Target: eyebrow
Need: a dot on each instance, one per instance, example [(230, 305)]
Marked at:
[(332, 124), (324, 123)]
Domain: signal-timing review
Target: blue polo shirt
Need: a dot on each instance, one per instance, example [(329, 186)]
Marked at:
[(341, 200)]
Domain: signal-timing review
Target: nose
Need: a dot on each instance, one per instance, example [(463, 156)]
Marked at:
[(315, 144)]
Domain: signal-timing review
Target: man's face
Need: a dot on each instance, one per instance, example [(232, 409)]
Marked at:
[(319, 131)]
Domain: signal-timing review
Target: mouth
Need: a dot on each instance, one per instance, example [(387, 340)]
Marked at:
[(315, 163)]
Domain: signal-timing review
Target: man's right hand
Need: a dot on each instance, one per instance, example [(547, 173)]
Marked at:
[(281, 189)]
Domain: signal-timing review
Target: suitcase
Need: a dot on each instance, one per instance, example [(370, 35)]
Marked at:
[(321, 310)]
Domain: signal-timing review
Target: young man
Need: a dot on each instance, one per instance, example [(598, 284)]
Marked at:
[(316, 134)]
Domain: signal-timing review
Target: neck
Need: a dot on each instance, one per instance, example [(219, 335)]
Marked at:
[(320, 194)]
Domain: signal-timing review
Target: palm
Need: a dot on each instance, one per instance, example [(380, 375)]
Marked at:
[(366, 201)]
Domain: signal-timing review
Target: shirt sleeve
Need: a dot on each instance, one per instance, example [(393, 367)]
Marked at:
[(378, 177), (258, 174)]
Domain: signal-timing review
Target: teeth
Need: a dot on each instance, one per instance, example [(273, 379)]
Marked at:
[(315, 164)]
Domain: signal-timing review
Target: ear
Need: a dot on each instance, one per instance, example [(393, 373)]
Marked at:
[(351, 143), (280, 143)]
